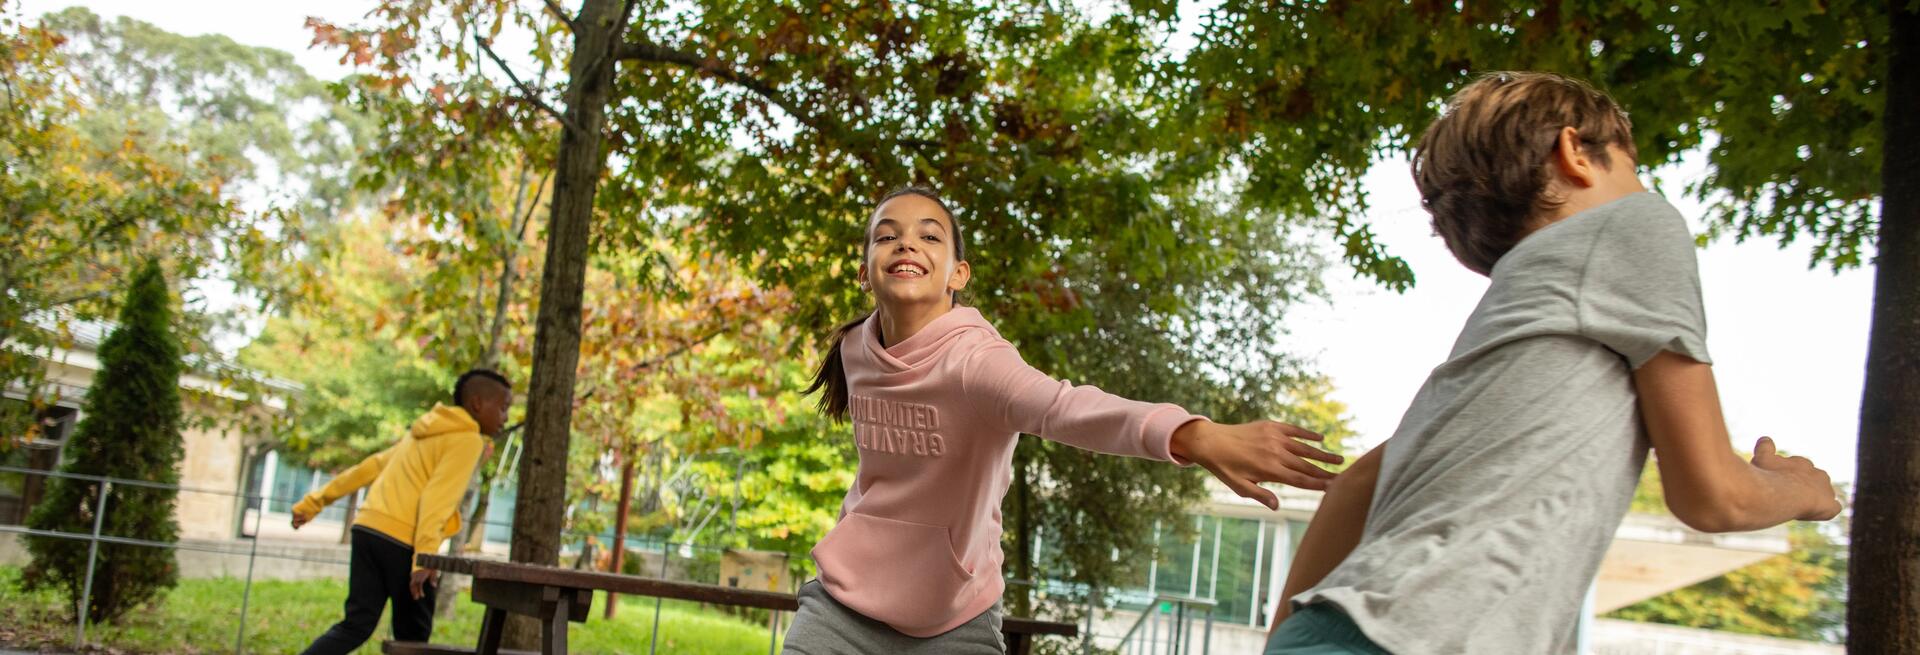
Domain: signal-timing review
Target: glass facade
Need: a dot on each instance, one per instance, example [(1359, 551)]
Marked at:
[(1238, 563), (284, 483)]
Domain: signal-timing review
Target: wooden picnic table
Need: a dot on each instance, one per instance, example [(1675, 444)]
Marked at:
[(557, 596)]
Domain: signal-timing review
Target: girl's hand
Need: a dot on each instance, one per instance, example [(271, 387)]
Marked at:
[(1245, 455)]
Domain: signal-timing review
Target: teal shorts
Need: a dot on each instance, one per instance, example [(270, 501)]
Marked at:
[(1321, 629)]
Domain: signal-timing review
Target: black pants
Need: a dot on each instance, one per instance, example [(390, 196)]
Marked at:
[(380, 573)]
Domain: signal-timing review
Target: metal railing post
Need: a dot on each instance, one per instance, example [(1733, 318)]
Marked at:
[(246, 594), (93, 555), (1180, 628), (1153, 626), (666, 551), (1206, 643), (773, 631)]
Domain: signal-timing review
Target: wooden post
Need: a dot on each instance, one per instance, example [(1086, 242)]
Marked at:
[(620, 524)]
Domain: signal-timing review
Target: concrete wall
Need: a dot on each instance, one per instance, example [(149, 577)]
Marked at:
[(1612, 637), (214, 460)]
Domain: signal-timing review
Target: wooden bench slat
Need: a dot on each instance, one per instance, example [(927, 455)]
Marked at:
[(424, 648), (617, 583)]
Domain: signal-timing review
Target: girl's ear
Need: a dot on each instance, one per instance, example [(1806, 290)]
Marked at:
[(962, 273), (861, 276)]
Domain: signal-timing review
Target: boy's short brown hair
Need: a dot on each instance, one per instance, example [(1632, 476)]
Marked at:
[(1483, 166)]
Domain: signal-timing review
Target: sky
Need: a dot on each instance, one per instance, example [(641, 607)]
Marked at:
[(1788, 342)]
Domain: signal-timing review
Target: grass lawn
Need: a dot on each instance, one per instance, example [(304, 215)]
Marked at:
[(201, 616)]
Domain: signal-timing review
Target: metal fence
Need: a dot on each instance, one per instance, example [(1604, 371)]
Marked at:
[(95, 538), (677, 560)]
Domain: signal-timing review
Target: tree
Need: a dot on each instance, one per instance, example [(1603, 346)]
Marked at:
[(367, 373), (124, 142), (769, 129), (1795, 103), (80, 213), (252, 113), (131, 431)]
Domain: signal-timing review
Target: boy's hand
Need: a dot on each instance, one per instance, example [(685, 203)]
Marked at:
[(300, 519), (1814, 489), (1245, 455), (422, 579)]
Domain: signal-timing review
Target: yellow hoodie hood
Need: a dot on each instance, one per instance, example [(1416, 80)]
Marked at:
[(443, 420)]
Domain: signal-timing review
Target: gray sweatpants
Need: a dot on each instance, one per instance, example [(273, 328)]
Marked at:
[(825, 627)]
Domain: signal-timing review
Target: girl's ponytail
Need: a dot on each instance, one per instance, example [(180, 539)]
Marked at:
[(832, 375)]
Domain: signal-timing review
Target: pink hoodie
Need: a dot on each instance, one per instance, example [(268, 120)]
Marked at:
[(935, 418)]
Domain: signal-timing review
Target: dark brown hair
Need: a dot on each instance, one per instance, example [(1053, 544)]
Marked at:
[(832, 375), (1484, 165)]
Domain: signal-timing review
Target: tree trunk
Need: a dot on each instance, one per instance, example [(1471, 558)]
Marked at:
[(620, 526), (1883, 608), (537, 521)]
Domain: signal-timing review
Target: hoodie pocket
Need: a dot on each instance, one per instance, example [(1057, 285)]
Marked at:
[(901, 573)]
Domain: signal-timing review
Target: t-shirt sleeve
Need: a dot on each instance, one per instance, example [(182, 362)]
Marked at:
[(1002, 388), (1640, 293)]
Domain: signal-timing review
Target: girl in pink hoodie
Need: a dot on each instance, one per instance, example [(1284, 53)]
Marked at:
[(938, 400)]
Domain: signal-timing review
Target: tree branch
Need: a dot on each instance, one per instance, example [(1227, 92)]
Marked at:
[(90, 295), (648, 51), (558, 12), (527, 91), (679, 350)]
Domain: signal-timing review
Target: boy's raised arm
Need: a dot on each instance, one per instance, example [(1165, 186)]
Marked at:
[(349, 481), (1334, 531), (1707, 486)]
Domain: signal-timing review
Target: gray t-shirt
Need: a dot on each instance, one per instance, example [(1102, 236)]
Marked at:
[(1508, 476)]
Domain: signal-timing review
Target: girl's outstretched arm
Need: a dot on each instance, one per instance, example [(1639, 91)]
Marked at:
[(1004, 389)]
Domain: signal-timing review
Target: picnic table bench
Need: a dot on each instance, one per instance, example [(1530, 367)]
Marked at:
[(557, 596)]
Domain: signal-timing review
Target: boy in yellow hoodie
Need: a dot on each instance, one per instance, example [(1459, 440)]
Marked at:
[(412, 506)]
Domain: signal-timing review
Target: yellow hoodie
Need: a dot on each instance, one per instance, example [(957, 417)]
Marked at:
[(417, 483)]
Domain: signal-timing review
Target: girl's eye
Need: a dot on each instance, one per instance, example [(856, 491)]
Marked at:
[(932, 238), (883, 237)]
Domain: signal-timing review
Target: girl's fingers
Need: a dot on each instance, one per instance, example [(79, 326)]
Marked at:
[(1299, 481), (1248, 489), (1297, 432), (1294, 465), (1311, 452)]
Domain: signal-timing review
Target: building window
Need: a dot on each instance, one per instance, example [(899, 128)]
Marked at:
[(1240, 564), (279, 484), (19, 492)]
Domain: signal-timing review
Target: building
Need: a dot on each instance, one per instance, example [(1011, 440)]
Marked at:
[(218, 508)]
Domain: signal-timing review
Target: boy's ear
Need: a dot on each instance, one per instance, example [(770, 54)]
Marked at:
[(1572, 161), (962, 273)]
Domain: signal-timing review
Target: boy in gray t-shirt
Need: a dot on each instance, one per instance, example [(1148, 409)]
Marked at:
[(1478, 527)]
